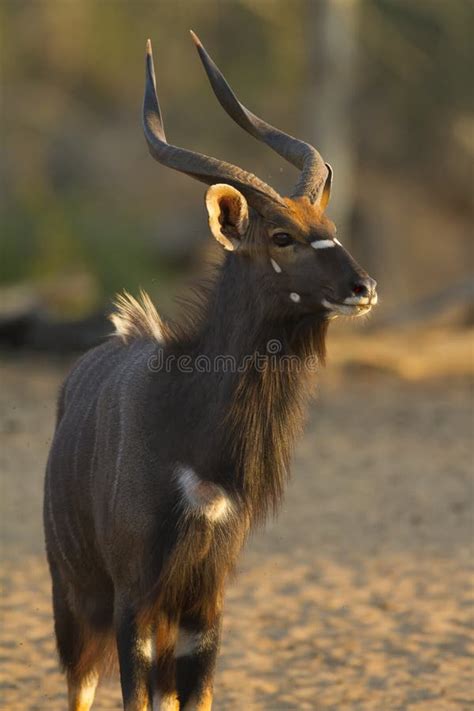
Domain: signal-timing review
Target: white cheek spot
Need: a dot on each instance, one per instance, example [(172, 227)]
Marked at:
[(275, 266), (203, 498), (323, 243), (295, 297)]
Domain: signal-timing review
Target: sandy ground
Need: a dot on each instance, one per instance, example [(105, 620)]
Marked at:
[(358, 597)]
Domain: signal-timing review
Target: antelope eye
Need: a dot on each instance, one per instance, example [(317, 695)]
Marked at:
[(282, 239)]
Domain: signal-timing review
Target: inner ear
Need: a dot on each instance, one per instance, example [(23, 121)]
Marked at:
[(326, 191), (228, 215)]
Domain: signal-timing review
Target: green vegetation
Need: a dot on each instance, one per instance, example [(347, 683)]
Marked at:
[(82, 195)]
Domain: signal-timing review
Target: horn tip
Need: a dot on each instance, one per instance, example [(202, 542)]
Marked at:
[(148, 47), (195, 39)]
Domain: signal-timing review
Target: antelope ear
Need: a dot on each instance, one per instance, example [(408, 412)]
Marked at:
[(228, 215), (326, 191)]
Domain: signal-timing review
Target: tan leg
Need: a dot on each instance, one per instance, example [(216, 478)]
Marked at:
[(203, 703), (165, 702), (165, 697), (81, 693)]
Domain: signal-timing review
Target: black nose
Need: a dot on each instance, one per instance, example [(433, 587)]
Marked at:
[(364, 287)]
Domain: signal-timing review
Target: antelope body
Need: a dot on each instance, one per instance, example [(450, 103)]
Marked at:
[(156, 475)]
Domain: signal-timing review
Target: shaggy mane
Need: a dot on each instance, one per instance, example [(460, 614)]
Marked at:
[(137, 318)]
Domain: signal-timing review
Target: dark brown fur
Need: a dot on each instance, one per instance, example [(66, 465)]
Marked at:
[(134, 554), (167, 566)]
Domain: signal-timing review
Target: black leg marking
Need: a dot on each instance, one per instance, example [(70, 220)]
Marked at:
[(196, 653), (68, 630), (134, 648)]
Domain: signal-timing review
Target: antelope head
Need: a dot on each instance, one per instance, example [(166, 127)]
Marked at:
[(289, 242)]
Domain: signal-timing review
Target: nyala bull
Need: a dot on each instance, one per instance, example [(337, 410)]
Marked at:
[(156, 475)]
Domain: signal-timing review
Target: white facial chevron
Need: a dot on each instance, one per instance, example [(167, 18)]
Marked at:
[(323, 243)]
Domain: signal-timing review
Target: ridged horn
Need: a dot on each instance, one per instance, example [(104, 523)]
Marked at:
[(204, 168), (300, 154)]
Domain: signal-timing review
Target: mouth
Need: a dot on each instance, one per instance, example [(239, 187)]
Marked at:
[(353, 306)]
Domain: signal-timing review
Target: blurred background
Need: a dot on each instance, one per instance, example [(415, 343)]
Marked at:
[(359, 596), (380, 87)]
